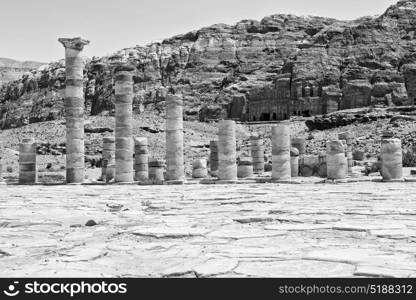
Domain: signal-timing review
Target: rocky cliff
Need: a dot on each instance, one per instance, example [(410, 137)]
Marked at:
[(368, 60), (11, 69)]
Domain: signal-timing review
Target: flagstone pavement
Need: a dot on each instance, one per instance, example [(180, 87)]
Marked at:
[(243, 230)]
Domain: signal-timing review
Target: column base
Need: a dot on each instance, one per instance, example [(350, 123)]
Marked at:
[(175, 182)]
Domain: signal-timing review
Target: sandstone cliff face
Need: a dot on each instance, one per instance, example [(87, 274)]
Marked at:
[(332, 63), (12, 70)]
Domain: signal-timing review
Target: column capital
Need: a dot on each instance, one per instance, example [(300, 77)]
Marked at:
[(74, 43)]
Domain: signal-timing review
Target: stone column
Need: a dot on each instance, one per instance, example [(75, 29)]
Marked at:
[(336, 161), (124, 122), (213, 157), (294, 162), (156, 174), (109, 164), (1, 163), (227, 150), (199, 168), (245, 168), (300, 144), (141, 166), (391, 159), (257, 153), (281, 152), (174, 138), (347, 137), (27, 162), (308, 165), (322, 167), (74, 109)]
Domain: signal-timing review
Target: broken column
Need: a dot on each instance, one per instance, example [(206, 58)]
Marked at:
[(1, 163), (199, 168), (245, 167), (227, 152), (124, 122), (347, 137), (308, 165), (294, 162), (391, 159), (27, 162), (213, 157), (336, 161), (156, 171), (257, 153), (300, 144), (141, 154), (109, 163), (281, 152), (174, 138), (74, 109), (322, 168)]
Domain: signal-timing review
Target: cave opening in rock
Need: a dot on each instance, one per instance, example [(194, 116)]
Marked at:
[(306, 113), (265, 117)]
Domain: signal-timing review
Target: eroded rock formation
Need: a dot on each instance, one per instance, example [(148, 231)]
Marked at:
[(317, 64)]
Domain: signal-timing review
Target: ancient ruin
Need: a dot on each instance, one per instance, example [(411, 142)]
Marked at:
[(27, 162), (391, 159), (141, 161), (199, 168), (281, 152), (257, 154), (74, 108), (336, 160), (213, 156), (227, 152), (108, 171), (156, 171), (124, 123), (174, 139), (279, 147)]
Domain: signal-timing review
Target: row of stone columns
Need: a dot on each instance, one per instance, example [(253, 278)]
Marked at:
[(283, 159), (118, 152)]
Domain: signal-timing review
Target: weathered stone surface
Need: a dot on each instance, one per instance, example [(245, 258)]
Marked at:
[(323, 62), (174, 138), (74, 109), (263, 230)]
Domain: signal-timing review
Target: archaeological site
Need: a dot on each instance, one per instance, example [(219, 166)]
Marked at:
[(284, 147)]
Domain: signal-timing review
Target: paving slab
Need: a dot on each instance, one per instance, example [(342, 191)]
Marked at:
[(216, 230)]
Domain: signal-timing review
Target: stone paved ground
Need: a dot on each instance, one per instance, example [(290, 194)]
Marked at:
[(353, 229)]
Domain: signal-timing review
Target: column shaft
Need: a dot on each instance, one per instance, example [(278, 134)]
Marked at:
[(213, 157), (174, 138), (257, 154), (156, 173), (281, 152), (109, 163), (391, 159), (141, 166), (227, 150), (336, 161), (74, 109), (27, 162), (199, 168), (124, 124)]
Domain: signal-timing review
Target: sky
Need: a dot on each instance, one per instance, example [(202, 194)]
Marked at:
[(29, 29)]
